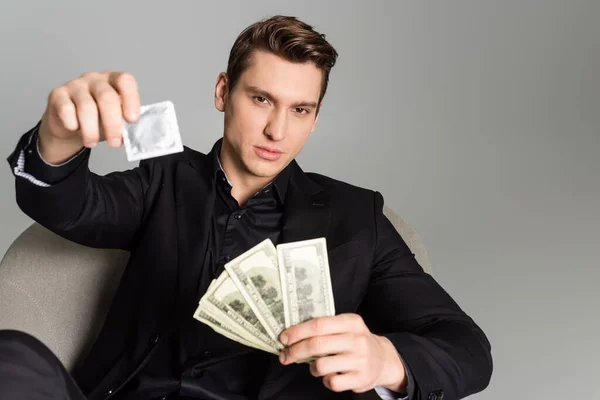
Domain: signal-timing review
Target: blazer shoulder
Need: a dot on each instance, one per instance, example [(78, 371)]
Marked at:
[(343, 190)]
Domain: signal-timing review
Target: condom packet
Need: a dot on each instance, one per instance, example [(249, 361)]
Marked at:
[(154, 134)]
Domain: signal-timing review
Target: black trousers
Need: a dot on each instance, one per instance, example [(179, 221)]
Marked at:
[(30, 371)]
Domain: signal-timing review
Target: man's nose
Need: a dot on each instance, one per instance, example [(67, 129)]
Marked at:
[(277, 126)]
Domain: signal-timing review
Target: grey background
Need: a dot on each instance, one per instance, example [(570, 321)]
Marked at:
[(479, 121)]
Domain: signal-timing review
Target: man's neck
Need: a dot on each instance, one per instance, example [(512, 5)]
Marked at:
[(243, 185)]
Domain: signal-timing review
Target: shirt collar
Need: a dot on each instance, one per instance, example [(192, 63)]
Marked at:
[(280, 183)]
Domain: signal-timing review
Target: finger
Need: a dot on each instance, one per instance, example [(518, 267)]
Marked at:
[(343, 323), (126, 85), (342, 382), (109, 106), (333, 364), (62, 111), (87, 115), (318, 346)]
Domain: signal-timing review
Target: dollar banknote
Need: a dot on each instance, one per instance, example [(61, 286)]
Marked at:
[(224, 295), (203, 316), (256, 275), (305, 280)]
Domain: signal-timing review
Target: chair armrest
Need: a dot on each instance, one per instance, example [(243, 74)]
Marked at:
[(57, 290)]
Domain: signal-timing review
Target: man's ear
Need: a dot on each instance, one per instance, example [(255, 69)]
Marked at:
[(221, 91)]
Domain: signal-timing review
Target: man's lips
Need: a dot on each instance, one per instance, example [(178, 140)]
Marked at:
[(267, 153), (270, 150)]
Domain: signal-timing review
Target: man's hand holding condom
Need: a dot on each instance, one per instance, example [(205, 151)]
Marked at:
[(106, 107)]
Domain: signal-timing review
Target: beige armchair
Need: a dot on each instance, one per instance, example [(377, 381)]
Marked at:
[(59, 291)]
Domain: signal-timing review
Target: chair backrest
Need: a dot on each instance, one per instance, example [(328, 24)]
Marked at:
[(60, 291), (411, 238)]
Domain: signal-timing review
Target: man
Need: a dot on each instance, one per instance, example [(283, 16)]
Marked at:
[(182, 217)]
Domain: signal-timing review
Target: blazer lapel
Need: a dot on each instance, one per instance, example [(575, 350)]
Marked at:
[(195, 196), (306, 209)]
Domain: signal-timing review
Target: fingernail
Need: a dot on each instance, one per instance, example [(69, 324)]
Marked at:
[(91, 144), (115, 142), (282, 357), (283, 338)]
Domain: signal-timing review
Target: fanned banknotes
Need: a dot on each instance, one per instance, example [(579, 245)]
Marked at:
[(268, 289)]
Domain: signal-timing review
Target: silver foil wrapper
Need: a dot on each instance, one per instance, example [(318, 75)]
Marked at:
[(154, 134)]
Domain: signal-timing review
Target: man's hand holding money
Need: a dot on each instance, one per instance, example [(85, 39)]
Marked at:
[(289, 286), (350, 357)]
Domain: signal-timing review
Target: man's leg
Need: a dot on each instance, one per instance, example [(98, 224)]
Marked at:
[(30, 371)]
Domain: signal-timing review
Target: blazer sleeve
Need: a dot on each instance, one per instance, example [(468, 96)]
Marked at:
[(86, 208), (448, 355)]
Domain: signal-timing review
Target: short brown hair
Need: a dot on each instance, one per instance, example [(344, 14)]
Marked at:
[(286, 37)]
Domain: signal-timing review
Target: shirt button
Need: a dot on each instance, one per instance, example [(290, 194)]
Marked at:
[(207, 354), (237, 216), (227, 258)]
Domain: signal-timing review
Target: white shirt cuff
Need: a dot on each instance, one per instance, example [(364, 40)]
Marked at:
[(387, 394)]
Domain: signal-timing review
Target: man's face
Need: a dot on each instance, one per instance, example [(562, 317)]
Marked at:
[(269, 114)]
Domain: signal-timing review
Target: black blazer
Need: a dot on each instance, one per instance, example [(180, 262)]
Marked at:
[(158, 212)]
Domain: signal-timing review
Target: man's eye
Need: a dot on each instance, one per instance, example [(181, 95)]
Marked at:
[(301, 110), (260, 99)]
